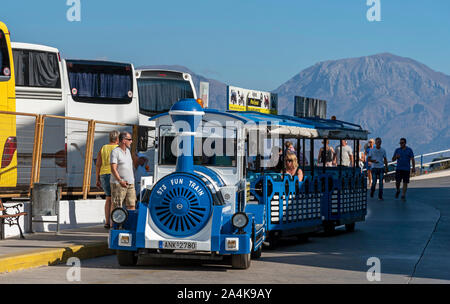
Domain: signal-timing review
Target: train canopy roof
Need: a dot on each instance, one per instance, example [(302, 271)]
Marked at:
[(283, 125)]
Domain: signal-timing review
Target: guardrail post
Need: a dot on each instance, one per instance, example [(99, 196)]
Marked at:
[(37, 123), (37, 150), (88, 159)]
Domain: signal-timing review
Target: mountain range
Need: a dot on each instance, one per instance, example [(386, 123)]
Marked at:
[(389, 95)]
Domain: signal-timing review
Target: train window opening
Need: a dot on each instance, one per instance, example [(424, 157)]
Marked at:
[(158, 95), (4, 57), (36, 69), (100, 83), (267, 158), (208, 151)]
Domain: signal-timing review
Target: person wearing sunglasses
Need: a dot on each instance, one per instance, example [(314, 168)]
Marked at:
[(122, 174), (404, 156)]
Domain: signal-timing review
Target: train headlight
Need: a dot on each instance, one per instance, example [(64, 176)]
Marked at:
[(119, 215), (239, 220)]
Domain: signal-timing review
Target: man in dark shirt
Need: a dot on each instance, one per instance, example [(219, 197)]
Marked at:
[(403, 155)]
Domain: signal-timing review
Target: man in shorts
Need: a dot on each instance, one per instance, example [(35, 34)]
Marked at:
[(403, 155), (123, 193)]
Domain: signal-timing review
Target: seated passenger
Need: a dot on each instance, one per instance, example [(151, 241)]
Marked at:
[(279, 164), (291, 166)]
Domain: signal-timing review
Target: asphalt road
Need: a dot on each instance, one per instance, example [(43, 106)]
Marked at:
[(411, 239)]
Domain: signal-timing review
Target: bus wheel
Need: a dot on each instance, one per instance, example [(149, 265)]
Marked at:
[(126, 258), (350, 227), (240, 261)]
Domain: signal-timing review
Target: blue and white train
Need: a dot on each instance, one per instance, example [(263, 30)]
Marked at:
[(211, 205)]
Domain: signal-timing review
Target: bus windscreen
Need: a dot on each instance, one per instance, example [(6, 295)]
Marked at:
[(158, 95), (4, 57), (100, 82)]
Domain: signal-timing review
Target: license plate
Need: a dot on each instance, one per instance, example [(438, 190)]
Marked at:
[(177, 245)]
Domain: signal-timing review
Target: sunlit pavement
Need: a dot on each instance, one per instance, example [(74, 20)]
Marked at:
[(411, 239)]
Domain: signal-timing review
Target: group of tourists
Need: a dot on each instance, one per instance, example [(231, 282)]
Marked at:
[(373, 160), (118, 173), (376, 164)]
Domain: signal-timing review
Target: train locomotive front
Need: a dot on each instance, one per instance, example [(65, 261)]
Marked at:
[(184, 214)]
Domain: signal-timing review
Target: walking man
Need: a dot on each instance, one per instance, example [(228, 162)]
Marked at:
[(123, 193), (403, 155), (103, 172), (377, 156)]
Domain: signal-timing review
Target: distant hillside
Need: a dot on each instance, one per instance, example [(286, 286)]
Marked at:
[(217, 89), (389, 95)]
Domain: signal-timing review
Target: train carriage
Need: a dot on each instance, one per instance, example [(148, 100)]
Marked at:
[(216, 194)]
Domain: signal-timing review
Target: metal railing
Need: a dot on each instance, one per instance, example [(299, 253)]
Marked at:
[(38, 128), (421, 164)]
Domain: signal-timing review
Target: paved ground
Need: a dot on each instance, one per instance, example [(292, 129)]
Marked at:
[(412, 241), (37, 241)]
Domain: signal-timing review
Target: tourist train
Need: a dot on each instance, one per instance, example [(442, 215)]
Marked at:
[(215, 206)]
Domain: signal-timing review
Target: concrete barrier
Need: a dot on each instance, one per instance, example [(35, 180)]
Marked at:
[(73, 214)]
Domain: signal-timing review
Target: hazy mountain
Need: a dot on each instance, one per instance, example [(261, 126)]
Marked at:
[(217, 89), (391, 96)]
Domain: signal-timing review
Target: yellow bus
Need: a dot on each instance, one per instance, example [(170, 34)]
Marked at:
[(8, 142)]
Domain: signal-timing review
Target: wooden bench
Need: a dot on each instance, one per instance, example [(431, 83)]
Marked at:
[(10, 218)]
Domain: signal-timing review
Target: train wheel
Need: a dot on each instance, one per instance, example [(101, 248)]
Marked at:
[(302, 238), (274, 240), (328, 228), (241, 261), (257, 254), (126, 258), (350, 227)]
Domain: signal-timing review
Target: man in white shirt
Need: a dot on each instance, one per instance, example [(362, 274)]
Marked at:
[(347, 155), (377, 156), (122, 175)]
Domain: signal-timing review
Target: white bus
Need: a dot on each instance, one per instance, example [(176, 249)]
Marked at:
[(46, 84), (158, 91), (39, 90), (99, 90)]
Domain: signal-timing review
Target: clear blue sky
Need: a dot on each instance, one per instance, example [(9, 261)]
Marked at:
[(257, 44)]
